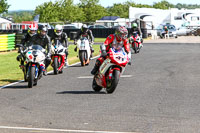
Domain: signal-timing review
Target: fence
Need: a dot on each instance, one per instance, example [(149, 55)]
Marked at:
[(7, 42)]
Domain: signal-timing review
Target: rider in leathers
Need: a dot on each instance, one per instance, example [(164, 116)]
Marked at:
[(42, 39), (62, 38), (26, 40), (120, 37), (85, 32), (136, 29)]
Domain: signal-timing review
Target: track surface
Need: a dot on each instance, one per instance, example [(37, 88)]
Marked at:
[(162, 95)]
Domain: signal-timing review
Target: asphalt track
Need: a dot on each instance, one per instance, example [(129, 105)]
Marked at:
[(158, 93)]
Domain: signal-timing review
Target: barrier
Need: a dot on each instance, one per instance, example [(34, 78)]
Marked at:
[(7, 42)]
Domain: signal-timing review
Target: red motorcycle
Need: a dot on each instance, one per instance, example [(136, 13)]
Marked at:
[(109, 72), (58, 58), (135, 40)]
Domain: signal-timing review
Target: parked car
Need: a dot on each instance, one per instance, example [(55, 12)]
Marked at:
[(70, 26), (183, 31), (96, 26), (171, 30)]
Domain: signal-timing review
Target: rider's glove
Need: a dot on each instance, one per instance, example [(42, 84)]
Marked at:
[(48, 55), (103, 53), (75, 42)]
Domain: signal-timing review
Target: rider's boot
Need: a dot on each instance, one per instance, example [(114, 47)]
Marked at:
[(75, 49), (92, 49), (96, 67)]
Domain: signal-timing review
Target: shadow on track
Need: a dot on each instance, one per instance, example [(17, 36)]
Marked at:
[(80, 92)]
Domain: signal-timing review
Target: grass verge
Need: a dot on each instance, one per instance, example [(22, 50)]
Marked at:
[(9, 67)]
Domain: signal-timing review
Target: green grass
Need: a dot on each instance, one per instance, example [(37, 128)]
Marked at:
[(9, 67), (95, 40)]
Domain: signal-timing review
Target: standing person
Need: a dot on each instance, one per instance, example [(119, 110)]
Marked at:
[(42, 39), (120, 37), (25, 41), (62, 37), (85, 32)]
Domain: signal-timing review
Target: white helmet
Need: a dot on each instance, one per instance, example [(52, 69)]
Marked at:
[(58, 29)]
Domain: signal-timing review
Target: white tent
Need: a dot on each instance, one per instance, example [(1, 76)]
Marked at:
[(4, 24)]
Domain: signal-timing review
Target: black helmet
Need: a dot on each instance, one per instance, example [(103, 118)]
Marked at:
[(84, 28), (42, 30)]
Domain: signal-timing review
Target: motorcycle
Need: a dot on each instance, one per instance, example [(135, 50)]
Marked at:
[(135, 40), (58, 57), (84, 51), (109, 72), (34, 63)]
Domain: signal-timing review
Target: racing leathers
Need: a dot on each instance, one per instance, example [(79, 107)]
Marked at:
[(109, 42), (63, 39), (88, 34), (139, 32), (45, 42), (24, 41)]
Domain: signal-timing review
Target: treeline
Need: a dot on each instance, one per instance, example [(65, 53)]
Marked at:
[(19, 16), (86, 10)]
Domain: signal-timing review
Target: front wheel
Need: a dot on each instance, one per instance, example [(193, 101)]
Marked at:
[(82, 56), (31, 77), (55, 65), (112, 84), (96, 87)]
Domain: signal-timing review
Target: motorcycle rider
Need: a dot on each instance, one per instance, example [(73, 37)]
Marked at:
[(136, 29), (42, 39), (62, 38), (85, 32), (120, 37), (25, 41)]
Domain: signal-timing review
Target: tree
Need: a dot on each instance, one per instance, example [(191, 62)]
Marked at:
[(163, 5), (70, 12), (49, 12), (4, 6), (92, 10), (120, 10)]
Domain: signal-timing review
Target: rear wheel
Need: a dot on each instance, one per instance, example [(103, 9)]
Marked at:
[(31, 77), (112, 84), (96, 87), (55, 65)]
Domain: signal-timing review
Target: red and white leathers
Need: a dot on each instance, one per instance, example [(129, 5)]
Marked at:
[(112, 40)]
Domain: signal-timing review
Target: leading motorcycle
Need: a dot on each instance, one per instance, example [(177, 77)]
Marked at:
[(109, 72), (34, 63)]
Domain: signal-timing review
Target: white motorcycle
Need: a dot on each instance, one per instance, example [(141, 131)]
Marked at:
[(34, 59), (84, 51), (58, 57)]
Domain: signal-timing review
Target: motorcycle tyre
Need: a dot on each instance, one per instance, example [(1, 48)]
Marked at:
[(114, 82), (82, 57), (96, 87), (55, 66), (31, 77)]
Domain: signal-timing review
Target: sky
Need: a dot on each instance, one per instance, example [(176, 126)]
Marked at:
[(31, 4)]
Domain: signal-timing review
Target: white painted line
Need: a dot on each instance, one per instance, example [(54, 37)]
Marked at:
[(11, 84), (60, 130), (126, 76), (90, 77), (85, 77), (47, 73)]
